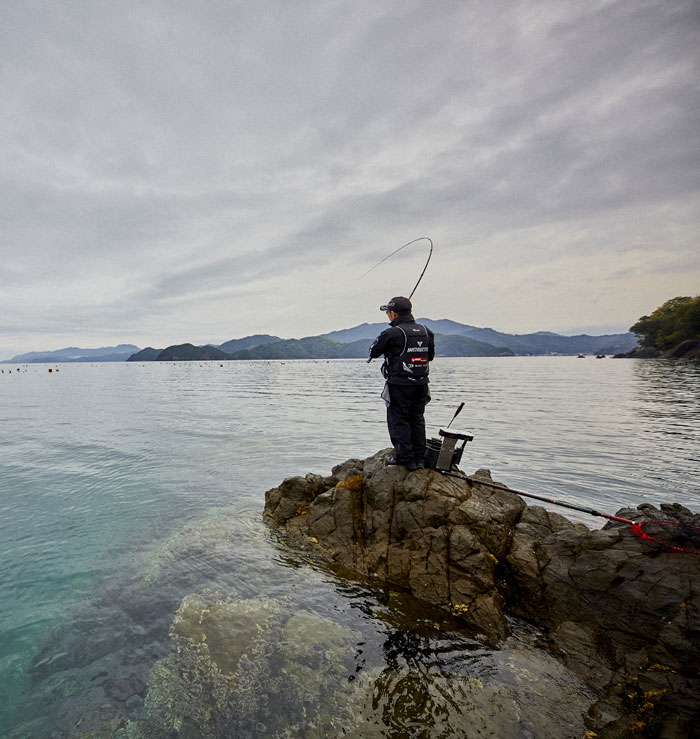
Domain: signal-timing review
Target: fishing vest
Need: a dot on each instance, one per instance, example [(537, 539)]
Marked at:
[(411, 365)]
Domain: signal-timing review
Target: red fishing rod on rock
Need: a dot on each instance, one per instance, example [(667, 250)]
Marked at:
[(443, 455)]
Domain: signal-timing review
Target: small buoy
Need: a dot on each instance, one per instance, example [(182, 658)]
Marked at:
[(50, 370)]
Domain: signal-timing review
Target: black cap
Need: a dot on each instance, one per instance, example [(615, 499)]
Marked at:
[(398, 305)]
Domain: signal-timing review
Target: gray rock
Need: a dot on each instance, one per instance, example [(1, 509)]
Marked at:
[(440, 538), (621, 614)]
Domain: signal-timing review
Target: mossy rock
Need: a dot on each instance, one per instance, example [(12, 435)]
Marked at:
[(248, 667)]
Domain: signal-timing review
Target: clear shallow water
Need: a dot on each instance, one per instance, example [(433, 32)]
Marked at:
[(103, 467)]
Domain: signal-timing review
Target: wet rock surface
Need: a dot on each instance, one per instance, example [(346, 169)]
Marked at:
[(620, 613)]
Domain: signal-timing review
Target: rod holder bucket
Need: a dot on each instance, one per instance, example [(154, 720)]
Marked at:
[(444, 454)]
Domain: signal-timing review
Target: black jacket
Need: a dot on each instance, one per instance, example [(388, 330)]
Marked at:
[(407, 347)]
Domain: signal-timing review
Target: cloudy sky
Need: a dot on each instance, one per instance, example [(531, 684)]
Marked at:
[(199, 171)]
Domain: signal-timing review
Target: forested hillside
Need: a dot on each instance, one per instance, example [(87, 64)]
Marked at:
[(673, 328)]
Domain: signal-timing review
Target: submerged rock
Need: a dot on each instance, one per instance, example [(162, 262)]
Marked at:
[(251, 668), (248, 668), (324, 654), (622, 615)]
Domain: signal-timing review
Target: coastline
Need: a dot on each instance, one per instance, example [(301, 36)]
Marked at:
[(689, 350)]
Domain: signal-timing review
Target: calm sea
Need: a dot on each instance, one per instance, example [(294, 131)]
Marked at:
[(109, 472)]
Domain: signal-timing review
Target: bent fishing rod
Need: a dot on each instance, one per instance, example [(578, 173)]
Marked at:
[(396, 251)]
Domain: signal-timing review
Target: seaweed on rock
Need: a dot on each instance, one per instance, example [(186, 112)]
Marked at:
[(248, 668)]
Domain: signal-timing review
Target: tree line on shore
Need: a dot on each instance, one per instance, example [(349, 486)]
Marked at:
[(672, 329)]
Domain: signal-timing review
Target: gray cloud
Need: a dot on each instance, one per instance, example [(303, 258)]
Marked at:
[(175, 169)]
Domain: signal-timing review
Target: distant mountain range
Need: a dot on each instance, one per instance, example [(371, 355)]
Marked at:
[(118, 353), (541, 342), (452, 339)]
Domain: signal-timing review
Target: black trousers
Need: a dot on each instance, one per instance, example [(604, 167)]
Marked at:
[(404, 417)]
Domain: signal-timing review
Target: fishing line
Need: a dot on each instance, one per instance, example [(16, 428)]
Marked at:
[(396, 251)]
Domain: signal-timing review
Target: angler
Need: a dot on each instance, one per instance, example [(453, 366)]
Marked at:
[(408, 347)]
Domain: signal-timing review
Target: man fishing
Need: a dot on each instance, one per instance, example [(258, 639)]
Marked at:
[(407, 347)]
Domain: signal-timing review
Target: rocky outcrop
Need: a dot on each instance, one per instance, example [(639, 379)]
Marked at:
[(622, 615), (689, 349), (435, 536)]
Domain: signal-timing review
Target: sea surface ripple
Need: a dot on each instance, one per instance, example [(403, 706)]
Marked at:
[(119, 483)]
